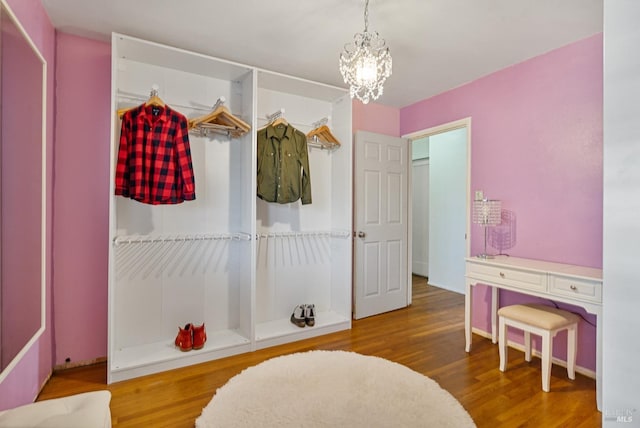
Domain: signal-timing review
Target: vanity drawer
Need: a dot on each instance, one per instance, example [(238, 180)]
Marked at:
[(577, 288), (530, 280)]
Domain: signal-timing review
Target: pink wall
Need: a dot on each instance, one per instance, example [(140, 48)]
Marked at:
[(23, 383), (376, 118), (21, 191), (542, 117), (81, 194), (536, 144)]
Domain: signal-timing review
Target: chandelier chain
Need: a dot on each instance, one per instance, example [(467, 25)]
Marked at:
[(366, 16)]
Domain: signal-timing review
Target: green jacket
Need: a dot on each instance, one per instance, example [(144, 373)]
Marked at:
[(283, 165)]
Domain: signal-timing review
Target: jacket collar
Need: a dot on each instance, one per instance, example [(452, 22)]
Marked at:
[(146, 113), (280, 131)]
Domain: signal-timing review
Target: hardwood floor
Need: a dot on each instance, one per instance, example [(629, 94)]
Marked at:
[(428, 337)]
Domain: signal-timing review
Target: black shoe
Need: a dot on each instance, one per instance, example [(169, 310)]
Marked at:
[(298, 316), (310, 315)]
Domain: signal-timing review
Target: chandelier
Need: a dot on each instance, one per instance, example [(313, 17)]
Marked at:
[(365, 63)]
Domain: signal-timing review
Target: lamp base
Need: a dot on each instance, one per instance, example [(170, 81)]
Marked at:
[(485, 256)]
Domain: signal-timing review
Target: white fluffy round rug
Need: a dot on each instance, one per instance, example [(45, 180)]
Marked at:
[(332, 389)]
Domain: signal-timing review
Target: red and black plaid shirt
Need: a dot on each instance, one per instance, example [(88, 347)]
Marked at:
[(154, 158)]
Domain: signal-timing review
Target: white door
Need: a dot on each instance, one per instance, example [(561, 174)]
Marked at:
[(420, 218), (381, 217)]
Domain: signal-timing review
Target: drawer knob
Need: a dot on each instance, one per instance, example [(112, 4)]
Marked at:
[(501, 274), (573, 287)]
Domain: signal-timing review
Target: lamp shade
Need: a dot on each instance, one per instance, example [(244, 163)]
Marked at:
[(487, 212)]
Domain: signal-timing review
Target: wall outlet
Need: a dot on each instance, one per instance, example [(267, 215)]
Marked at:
[(479, 195)]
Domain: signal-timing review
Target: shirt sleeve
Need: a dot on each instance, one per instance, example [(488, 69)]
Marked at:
[(184, 160), (303, 155), (122, 167)]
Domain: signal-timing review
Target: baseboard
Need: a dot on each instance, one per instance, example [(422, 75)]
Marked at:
[(520, 347), (42, 385), (445, 287), (75, 364)]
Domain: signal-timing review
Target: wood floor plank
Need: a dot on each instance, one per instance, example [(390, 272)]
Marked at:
[(427, 337)]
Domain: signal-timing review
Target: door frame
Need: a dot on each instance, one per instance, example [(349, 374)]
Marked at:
[(450, 126)]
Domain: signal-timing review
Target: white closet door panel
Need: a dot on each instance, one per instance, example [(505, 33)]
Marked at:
[(373, 253), (395, 268)]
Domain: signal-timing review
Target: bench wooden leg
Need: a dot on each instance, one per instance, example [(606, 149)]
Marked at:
[(527, 346), (572, 344), (546, 360), (502, 344)]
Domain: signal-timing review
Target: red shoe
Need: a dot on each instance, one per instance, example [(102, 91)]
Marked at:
[(184, 339), (199, 336)]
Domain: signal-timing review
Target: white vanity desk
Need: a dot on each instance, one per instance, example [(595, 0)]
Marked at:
[(575, 285)]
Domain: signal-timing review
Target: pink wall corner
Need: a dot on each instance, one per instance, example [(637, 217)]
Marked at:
[(536, 144), (23, 384), (81, 194), (376, 118)]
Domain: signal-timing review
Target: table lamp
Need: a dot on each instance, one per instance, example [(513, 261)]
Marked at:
[(486, 213)]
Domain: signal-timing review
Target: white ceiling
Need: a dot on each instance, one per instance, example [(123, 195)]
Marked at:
[(436, 45)]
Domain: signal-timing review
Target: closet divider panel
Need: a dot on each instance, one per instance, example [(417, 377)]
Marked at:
[(185, 263), (342, 207)]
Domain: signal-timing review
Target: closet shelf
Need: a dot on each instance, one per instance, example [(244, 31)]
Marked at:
[(326, 322), (140, 358)]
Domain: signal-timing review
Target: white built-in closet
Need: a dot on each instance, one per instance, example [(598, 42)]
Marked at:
[(228, 259)]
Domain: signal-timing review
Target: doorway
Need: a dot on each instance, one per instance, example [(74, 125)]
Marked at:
[(448, 153), (420, 212)]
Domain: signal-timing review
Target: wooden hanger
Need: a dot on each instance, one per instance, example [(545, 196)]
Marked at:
[(154, 100), (276, 119), (280, 121), (222, 120), (323, 135)]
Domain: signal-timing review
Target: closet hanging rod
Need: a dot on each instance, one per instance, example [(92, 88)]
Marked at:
[(265, 121), (306, 234), (219, 103), (276, 115), (315, 142), (321, 122), (143, 239), (142, 99), (154, 90)]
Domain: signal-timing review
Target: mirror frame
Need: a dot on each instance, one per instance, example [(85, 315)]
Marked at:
[(4, 8)]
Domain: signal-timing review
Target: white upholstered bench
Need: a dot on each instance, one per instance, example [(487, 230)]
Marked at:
[(544, 321), (87, 410)]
